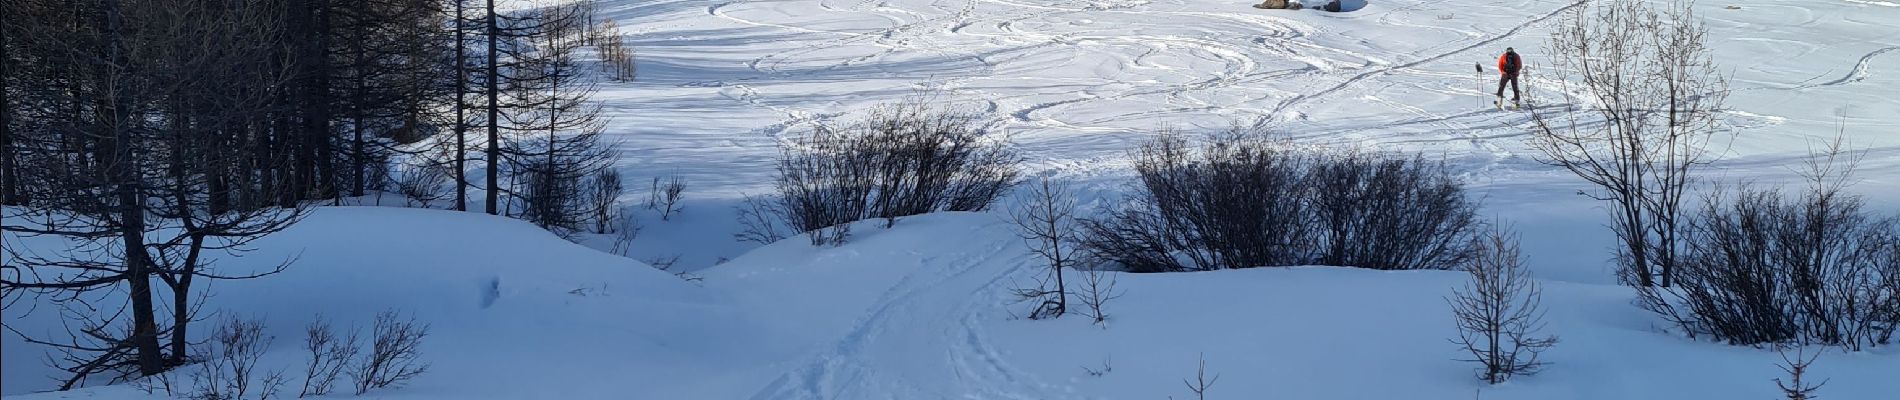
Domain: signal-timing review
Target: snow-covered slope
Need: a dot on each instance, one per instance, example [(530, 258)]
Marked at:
[(515, 312), (921, 311), (1077, 83)]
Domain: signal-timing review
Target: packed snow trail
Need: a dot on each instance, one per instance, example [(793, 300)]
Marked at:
[(920, 337)]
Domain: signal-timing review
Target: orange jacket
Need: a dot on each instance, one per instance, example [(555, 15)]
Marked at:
[(1508, 64)]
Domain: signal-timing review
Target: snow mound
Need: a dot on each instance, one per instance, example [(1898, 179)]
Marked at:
[(512, 308)]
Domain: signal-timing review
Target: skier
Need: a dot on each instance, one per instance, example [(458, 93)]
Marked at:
[(1508, 66)]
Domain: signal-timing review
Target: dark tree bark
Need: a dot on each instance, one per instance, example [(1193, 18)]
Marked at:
[(493, 91)]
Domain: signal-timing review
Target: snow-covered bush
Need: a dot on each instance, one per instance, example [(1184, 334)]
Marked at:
[(903, 159), (1244, 200)]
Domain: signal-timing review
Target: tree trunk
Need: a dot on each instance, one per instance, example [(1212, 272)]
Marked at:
[(494, 117), (9, 189), (123, 172), (461, 106)]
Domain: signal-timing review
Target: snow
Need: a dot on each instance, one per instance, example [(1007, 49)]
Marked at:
[(1077, 83), (920, 312)]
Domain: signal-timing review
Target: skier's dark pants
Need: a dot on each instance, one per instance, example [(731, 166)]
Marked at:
[(1508, 79)]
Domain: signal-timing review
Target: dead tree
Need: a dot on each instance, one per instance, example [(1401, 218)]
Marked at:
[(1499, 312), (1640, 98), (1046, 221)]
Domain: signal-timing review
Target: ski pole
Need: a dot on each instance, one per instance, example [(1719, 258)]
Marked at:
[(1479, 75)]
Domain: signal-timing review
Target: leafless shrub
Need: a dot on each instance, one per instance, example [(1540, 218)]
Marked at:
[(664, 263), (1046, 221), (664, 195), (1098, 288), (759, 220), (1763, 268), (602, 200), (423, 184), (1390, 213), (1099, 372), (822, 185), (1233, 204), (628, 228), (394, 354), (903, 159), (229, 369), (927, 158), (1201, 383), (1499, 311), (377, 170), (329, 354), (1650, 98), (1795, 388), (1244, 199)]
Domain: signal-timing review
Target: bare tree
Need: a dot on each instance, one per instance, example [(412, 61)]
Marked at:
[(1499, 312), (1796, 388), (151, 172), (555, 124), (1201, 382), (1046, 221), (1645, 106), (664, 195), (1098, 288), (616, 57)]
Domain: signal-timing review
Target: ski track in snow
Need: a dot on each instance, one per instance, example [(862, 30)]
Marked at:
[(1297, 100), (840, 370), (1860, 71)]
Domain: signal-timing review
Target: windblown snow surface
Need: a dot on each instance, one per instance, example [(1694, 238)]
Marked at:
[(920, 311)]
